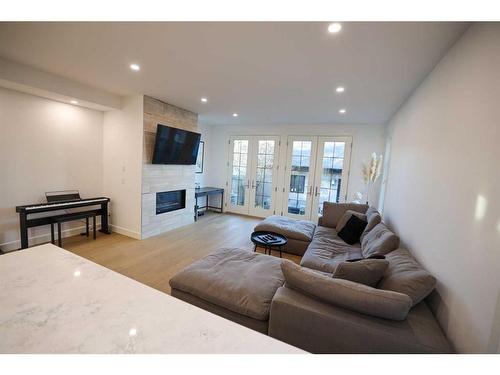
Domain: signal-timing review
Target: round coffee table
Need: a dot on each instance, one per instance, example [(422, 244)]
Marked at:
[(268, 246)]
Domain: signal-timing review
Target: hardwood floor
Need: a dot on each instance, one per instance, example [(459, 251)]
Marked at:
[(155, 260)]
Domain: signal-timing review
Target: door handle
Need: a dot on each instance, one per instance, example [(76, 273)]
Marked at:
[(316, 191), (253, 184), (309, 190)]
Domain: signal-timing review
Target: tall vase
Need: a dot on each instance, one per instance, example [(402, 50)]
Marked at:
[(368, 186)]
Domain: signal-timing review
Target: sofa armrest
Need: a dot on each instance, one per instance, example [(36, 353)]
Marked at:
[(318, 327)]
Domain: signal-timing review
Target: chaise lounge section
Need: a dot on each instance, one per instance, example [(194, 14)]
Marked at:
[(236, 284)]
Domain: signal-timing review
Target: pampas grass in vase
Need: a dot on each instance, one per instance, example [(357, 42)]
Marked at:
[(371, 173)]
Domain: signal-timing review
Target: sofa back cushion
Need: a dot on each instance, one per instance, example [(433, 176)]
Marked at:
[(347, 294), (366, 271), (379, 241), (373, 219), (405, 275), (332, 212)]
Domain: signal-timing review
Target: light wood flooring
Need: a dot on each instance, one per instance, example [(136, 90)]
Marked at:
[(155, 260)]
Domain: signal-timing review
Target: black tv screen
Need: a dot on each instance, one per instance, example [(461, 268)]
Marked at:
[(175, 146)]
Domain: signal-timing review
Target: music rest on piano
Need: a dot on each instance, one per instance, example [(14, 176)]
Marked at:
[(59, 201)]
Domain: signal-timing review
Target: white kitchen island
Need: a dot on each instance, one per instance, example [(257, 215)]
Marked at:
[(53, 301)]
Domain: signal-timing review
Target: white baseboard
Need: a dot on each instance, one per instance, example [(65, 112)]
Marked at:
[(125, 231), (43, 238)]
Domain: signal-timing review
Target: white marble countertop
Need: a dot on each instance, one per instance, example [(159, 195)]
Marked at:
[(53, 301)]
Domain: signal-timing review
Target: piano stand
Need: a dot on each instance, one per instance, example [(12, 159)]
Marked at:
[(26, 222)]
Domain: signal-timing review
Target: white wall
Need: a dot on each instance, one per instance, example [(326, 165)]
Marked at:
[(122, 165), (202, 178), (44, 145), (366, 139), (444, 183)]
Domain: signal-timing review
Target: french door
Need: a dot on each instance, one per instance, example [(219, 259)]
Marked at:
[(316, 171), (299, 177), (332, 172), (252, 175)]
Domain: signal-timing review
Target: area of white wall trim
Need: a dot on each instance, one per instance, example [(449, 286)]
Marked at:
[(125, 231), (44, 238)]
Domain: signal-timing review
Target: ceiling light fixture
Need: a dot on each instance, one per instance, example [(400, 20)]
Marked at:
[(204, 100), (73, 102), (235, 115), (340, 89), (135, 67), (334, 27), (342, 111)]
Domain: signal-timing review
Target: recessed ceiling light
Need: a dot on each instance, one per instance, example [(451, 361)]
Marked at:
[(334, 27), (135, 67), (340, 89), (342, 111), (74, 102), (204, 100), (235, 115)]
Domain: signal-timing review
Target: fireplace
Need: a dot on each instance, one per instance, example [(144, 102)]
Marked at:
[(167, 201)]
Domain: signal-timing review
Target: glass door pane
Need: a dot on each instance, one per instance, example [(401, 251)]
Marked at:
[(331, 171), (239, 172), (264, 175), (299, 176)]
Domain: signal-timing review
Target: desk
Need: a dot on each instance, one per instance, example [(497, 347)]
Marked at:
[(206, 192)]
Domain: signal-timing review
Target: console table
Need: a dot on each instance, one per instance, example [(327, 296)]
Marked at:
[(207, 192)]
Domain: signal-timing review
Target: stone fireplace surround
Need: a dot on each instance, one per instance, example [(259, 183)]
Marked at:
[(159, 178)]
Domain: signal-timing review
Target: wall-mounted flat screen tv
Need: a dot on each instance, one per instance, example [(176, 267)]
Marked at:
[(175, 146)]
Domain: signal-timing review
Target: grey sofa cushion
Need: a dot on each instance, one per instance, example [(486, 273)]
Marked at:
[(302, 230), (379, 241), (345, 218), (347, 294), (367, 271), (332, 212), (373, 219), (238, 280), (370, 211), (327, 250), (405, 275)]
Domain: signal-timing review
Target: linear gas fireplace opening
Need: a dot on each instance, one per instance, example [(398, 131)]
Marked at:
[(167, 201)]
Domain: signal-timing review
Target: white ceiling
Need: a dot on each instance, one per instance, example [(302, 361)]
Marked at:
[(267, 72)]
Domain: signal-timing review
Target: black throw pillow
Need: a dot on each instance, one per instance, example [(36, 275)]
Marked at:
[(352, 230)]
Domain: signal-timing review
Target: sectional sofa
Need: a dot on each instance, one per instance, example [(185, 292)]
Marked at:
[(341, 299)]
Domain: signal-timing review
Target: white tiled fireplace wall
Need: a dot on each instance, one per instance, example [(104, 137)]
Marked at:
[(159, 178)]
